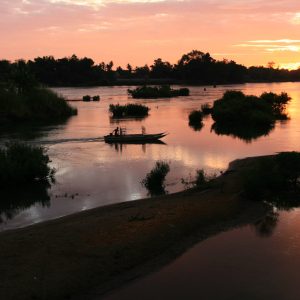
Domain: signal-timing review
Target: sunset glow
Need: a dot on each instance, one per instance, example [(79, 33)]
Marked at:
[(252, 32)]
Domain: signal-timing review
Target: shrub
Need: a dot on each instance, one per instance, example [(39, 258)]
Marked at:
[(128, 110), (23, 164), (154, 180), (273, 177), (206, 109), (96, 98), (195, 119), (86, 98), (36, 105), (165, 91)]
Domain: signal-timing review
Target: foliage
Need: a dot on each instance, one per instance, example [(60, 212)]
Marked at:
[(165, 91), (195, 119), (36, 105), (96, 98), (154, 180), (248, 116), (23, 164), (194, 67), (128, 110), (86, 98), (272, 178), (206, 109)]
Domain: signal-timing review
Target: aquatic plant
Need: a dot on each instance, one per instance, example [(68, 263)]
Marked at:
[(96, 98), (86, 98), (195, 119), (36, 105), (128, 110), (23, 164), (164, 91), (154, 180), (206, 109)]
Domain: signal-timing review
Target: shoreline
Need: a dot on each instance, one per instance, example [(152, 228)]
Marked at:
[(84, 255)]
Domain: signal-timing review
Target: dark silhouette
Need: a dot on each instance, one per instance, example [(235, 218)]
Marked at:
[(195, 67)]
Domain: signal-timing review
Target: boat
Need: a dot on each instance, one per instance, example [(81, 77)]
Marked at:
[(134, 138)]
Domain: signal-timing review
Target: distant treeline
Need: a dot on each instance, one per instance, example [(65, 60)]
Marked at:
[(195, 67)]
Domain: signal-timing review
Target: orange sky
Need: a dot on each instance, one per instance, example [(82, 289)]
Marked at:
[(251, 32)]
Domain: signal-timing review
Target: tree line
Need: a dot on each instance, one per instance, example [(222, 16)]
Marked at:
[(195, 67)]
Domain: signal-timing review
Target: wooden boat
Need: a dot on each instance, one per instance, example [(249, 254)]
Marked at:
[(134, 138)]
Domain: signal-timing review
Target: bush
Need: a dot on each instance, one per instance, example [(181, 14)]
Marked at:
[(154, 180), (36, 105), (86, 98), (206, 109), (195, 119), (23, 164), (273, 177), (165, 91), (96, 98), (128, 110)]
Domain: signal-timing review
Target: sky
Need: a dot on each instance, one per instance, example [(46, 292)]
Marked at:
[(251, 32)]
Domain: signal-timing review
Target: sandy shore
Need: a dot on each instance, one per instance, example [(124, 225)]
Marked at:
[(84, 255)]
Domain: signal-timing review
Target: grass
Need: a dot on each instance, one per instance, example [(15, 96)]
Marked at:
[(165, 91), (154, 180), (38, 105), (128, 110), (22, 164)]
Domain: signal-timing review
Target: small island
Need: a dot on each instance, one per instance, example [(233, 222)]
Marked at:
[(129, 110), (164, 91)]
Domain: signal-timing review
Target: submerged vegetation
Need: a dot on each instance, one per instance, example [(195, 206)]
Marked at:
[(154, 180), (195, 119), (248, 117), (128, 110), (88, 98), (164, 91), (22, 99), (24, 164), (275, 179)]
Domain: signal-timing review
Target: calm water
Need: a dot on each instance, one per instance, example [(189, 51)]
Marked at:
[(247, 263), (91, 173)]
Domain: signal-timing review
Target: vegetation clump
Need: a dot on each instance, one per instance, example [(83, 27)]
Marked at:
[(237, 108), (164, 91), (206, 109), (23, 99), (86, 98), (195, 119), (248, 116), (23, 164), (275, 178), (128, 110), (96, 98), (154, 180)]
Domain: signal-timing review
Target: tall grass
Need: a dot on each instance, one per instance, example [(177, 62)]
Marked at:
[(128, 110), (36, 105), (165, 91)]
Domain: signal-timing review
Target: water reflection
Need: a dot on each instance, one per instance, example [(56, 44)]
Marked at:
[(245, 133), (13, 201), (119, 147), (265, 227)]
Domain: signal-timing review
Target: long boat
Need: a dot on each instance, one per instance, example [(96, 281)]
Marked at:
[(134, 138)]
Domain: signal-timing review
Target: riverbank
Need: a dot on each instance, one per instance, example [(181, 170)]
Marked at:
[(89, 253)]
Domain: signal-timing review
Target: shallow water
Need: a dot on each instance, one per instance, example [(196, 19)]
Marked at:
[(91, 173), (246, 263)]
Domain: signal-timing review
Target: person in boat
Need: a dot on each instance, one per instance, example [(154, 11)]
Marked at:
[(121, 131), (116, 132)]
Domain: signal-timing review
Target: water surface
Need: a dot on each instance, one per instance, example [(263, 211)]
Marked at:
[(91, 173)]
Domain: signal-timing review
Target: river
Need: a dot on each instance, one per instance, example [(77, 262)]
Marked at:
[(91, 173)]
